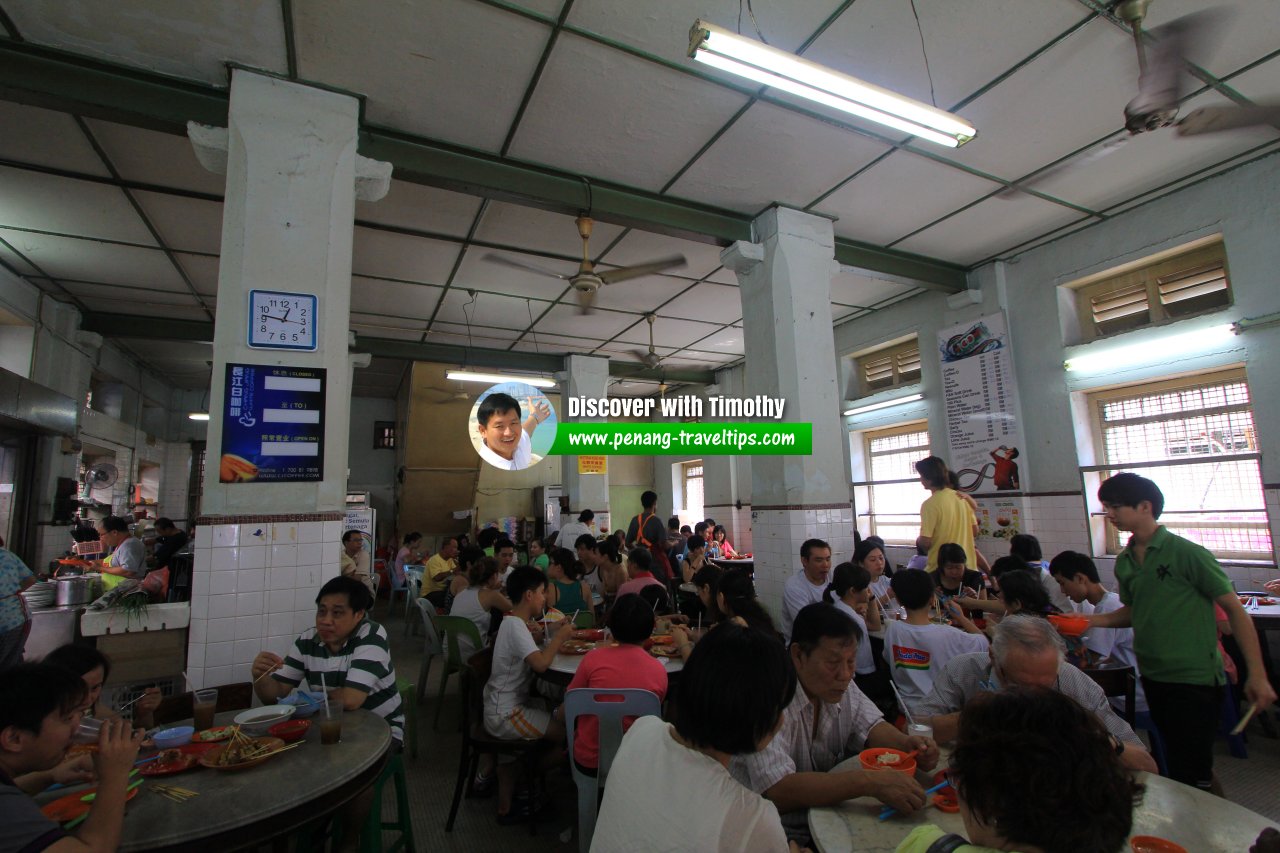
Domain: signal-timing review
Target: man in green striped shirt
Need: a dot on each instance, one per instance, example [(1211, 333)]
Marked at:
[(349, 649)]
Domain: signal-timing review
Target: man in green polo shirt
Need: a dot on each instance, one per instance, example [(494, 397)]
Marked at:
[(1168, 586)]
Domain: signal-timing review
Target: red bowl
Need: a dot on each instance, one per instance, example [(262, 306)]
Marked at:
[(290, 731), (1152, 844), (870, 760)]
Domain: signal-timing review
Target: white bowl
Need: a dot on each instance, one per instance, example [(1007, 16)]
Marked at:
[(256, 721)]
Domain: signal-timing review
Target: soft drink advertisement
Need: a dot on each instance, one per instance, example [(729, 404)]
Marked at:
[(273, 424), (981, 396)]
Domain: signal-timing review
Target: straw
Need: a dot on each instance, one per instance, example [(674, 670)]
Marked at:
[(1244, 721), (699, 620), (325, 688), (910, 721), (186, 681), (574, 621), (890, 811)]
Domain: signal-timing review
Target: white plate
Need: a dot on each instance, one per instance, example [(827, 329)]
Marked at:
[(257, 720)]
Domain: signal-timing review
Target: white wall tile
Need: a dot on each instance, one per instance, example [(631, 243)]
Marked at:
[(221, 606), (248, 627), (203, 560), (304, 619), (218, 654), (196, 630), (279, 623), (281, 577), (284, 533), (249, 603), (215, 676), (305, 599), (221, 630), (311, 531), (331, 531), (280, 644), (311, 554), (195, 674), (254, 534), (251, 580), (226, 535), (195, 656), (284, 555), (246, 650), (200, 603), (280, 601), (253, 556), (223, 583), (226, 559)]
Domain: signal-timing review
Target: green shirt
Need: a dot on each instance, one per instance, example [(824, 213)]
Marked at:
[(922, 838), (1171, 594), (542, 561)]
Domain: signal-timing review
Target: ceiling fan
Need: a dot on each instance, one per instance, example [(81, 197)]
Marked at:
[(586, 281), (651, 359), (1162, 84)]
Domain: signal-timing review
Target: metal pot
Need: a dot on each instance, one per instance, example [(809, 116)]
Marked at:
[(71, 590)]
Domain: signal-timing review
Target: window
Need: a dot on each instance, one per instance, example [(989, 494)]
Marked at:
[(894, 494), (1157, 293), (888, 367), (384, 435), (691, 474), (1195, 438)]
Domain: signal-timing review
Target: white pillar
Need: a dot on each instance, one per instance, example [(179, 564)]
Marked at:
[(586, 376), (786, 297)]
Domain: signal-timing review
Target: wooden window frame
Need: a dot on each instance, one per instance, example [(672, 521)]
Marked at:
[(900, 355)]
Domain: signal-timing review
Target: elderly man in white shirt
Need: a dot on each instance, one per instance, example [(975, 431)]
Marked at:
[(807, 585), (504, 441), (829, 720)]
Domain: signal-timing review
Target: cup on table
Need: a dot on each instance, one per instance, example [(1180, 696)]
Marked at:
[(330, 720), (920, 730), (87, 731), (204, 704)]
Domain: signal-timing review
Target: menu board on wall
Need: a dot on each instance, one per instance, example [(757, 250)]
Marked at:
[(981, 396), (273, 424)]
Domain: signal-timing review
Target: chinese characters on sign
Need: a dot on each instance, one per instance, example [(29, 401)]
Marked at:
[(273, 424), (981, 398), (593, 464)]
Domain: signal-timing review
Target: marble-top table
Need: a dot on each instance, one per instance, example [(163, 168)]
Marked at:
[(244, 808), (1200, 822), (564, 667)]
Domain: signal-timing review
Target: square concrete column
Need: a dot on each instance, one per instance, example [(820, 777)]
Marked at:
[(585, 376), (785, 277), (726, 480)]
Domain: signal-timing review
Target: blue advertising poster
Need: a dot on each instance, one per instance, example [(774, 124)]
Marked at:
[(273, 425)]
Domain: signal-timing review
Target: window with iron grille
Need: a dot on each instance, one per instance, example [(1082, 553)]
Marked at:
[(1195, 438), (1184, 285), (894, 493), (692, 477), (888, 367), (384, 435)]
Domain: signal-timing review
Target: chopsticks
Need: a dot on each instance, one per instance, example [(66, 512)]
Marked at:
[(268, 672), (1244, 721), (170, 792), (889, 811)]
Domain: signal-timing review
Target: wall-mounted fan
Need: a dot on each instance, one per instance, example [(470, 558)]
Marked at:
[(101, 475), (586, 281)]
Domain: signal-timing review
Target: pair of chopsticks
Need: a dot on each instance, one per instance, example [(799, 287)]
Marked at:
[(1244, 721), (268, 672), (889, 811), (170, 792)]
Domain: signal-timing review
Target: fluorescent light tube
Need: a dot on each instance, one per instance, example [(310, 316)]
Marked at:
[(737, 54), (199, 416), (495, 378), (885, 404), (1157, 350)]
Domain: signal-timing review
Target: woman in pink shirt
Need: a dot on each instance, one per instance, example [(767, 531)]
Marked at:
[(626, 665)]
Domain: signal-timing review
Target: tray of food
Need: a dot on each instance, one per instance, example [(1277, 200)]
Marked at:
[(242, 752), (169, 762), (576, 647), (213, 735)]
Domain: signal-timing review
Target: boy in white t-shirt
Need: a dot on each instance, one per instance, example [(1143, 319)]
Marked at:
[(516, 661), (1077, 577), (918, 648)]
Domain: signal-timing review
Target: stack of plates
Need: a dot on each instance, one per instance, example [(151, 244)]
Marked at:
[(39, 595)]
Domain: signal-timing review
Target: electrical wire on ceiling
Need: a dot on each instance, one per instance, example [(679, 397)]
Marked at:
[(467, 315), (529, 307), (751, 13), (933, 99)]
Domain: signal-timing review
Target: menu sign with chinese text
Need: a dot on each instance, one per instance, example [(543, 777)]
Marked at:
[(981, 398), (273, 424)]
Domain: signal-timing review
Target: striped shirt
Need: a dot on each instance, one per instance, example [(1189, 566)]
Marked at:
[(363, 663), (965, 676)]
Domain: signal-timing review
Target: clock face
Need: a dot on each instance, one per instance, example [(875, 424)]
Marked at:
[(282, 320)]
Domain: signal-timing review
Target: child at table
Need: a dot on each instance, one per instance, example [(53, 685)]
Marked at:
[(626, 665), (917, 648), (508, 709)]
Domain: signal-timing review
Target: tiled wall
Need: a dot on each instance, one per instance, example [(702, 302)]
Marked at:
[(739, 526), (175, 480), (777, 535), (254, 589)]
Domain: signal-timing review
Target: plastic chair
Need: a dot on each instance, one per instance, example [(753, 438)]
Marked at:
[(374, 825), (409, 703), (393, 590), (609, 706), (453, 627), (431, 647), (412, 588), (586, 619)]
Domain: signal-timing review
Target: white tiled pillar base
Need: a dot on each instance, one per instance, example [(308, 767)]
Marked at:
[(778, 533), (253, 588), (740, 532)]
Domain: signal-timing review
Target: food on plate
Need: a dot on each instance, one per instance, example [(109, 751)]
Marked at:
[(663, 651), (576, 647), (888, 758), (169, 761), (661, 639), (590, 635), (213, 735), (1262, 601), (243, 749)]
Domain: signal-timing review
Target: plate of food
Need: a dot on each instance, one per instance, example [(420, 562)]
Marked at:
[(169, 762), (552, 615), (576, 647), (1262, 601), (214, 735), (664, 650), (590, 635), (241, 752), (72, 806)]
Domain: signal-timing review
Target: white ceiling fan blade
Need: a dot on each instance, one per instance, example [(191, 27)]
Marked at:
[(624, 273), (1082, 159), (521, 265), (1214, 119)]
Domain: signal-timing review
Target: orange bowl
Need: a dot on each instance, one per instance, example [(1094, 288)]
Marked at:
[(290, 731), (1070, 625), (880, 758), (1152, 844)]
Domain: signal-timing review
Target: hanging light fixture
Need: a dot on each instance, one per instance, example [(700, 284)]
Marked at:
[(756, 61), (495, 378)]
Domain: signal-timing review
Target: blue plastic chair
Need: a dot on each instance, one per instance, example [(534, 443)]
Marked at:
[(431, 647), (604, 704)]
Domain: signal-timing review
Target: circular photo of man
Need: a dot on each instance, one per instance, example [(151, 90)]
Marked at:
[(512, 426)]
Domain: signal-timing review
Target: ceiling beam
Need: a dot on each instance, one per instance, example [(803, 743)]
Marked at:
[(70, 83), (129, 326)]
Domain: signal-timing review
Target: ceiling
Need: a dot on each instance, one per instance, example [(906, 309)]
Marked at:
[(112, 212)]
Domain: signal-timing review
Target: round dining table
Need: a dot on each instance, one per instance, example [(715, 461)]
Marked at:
[(564, 667), (235, 809), (1200, 822)]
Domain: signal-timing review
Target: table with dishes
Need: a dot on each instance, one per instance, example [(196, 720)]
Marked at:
[(1169, 810), (187, 801), (565, 664)]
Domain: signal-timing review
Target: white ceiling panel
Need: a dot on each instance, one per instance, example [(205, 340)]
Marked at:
[(1246, 33), (701, 259), (632, 388), (714, 303), (772, 155), (394, 298), (600, 112), (844, 313), (668, 332), (488, 309), (203, 272), (1261, 84), (642, 294), (15, 262), (899, 194), (189, 224), (487, 333), (1267, 150), (991, 226), (729, 341), (422, 208), (449, 69), (364, 318), (147, 309), (190, 40), (68, 206), (48, 138), (378, 330), (1150, 160), (565, 320), (478, 273), (1069, 96), (151, 157), (89, 260), (390, 255), (125, 298), (540, 230), (851, 288)]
